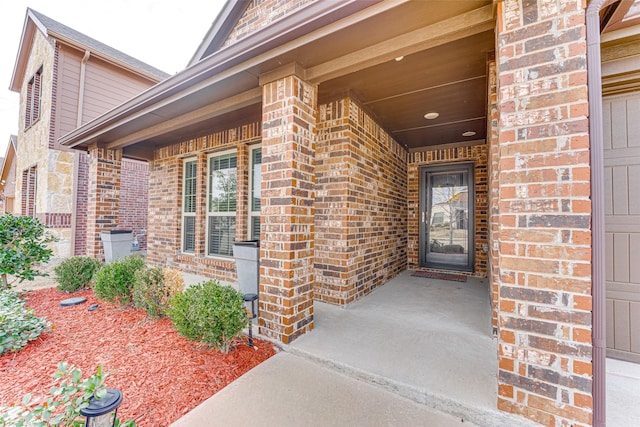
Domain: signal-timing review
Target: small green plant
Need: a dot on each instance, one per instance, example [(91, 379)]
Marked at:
[(153, 289), (18, 324), (75, 273), (23, 243), (210, 313), (62, 407), (114, 282)]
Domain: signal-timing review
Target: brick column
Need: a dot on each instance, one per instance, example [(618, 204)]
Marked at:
[(545, 348), (287, 213), (103, 201)]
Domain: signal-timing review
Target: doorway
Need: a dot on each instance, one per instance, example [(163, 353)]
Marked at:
[(447, 217)]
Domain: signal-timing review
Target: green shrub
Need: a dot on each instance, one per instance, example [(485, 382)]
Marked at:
[(75, 273), (153, 289), (18, 324), (209, 313), (114, 281), (62, 406), (23, 243)]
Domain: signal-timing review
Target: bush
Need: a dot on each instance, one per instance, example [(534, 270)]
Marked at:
[(153, 289), (75, 273), (209, 313), (114, 281), (18, 324), (23, 243), (67, 397)]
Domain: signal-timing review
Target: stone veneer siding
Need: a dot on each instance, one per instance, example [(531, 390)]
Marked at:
[(545, 302), (53, 168), (478, 155), (361, 204)]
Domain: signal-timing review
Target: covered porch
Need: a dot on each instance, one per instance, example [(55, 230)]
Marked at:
[(423, 339), (350, 113)]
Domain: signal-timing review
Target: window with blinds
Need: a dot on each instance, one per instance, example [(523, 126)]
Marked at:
[(32, 104), (189, 207), (221, 212), (254, 193)]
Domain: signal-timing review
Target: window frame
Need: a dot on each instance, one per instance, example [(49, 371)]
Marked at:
[(33, 105), (208, 212), (251, 212), (185, 214)]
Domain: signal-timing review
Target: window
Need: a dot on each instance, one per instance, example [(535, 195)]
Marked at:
[(189, 207), (221, 211), (29, 191), (254, 193), (34, 93)]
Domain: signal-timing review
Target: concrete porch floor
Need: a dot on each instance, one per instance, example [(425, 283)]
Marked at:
[(427, 340), (416, 351)]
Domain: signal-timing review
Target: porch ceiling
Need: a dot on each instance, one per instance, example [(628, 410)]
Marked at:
[(444, 46), (450, 79)]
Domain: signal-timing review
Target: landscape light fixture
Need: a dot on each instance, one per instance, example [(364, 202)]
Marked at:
[(102, 412)]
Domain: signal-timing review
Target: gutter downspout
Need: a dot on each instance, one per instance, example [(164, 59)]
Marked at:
[(83, 72), (596, 150), (76, 156)]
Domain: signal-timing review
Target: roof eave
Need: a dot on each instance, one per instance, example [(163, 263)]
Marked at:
[(236, 54), (9, 157), (107, 58), (31, 22)]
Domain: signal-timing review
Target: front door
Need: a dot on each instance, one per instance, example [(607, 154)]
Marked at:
[(447, 217)]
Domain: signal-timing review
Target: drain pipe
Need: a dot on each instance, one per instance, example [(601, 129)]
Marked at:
[(596, 145)]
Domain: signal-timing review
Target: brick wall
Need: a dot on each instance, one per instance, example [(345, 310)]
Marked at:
[(494, 193), (418, 159), (287, 274), (361, 204), (82, 186), (134, 190), (165, 198), (103, 201), (260, 14), (545, 349)]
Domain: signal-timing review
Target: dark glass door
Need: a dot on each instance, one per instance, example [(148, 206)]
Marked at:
[(447, 217)]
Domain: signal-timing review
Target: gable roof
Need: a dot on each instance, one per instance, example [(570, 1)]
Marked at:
[(52, 28), (9, 157), (220, 29)]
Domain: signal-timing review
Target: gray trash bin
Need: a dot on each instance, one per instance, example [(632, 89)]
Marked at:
[(117, 244), (247, 256)]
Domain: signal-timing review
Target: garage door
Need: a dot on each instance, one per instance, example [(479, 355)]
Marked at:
[(621, 117)]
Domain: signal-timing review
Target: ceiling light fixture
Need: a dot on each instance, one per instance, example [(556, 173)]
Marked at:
[(399, 58), (431, 116), (469, 133)]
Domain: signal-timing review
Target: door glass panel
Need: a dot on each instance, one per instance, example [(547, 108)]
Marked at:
[(447, 239)]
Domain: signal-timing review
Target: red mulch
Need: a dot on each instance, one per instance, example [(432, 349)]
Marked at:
[(161, 374)]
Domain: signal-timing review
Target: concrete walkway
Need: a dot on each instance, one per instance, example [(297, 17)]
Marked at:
[(288, 390), (414, 352), (623, 393)]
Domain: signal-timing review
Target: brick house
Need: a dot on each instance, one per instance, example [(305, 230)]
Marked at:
[(342, 134), (8, 176), (66, 79)]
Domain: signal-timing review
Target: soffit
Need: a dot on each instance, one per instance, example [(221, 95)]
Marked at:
[(446, 74)]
